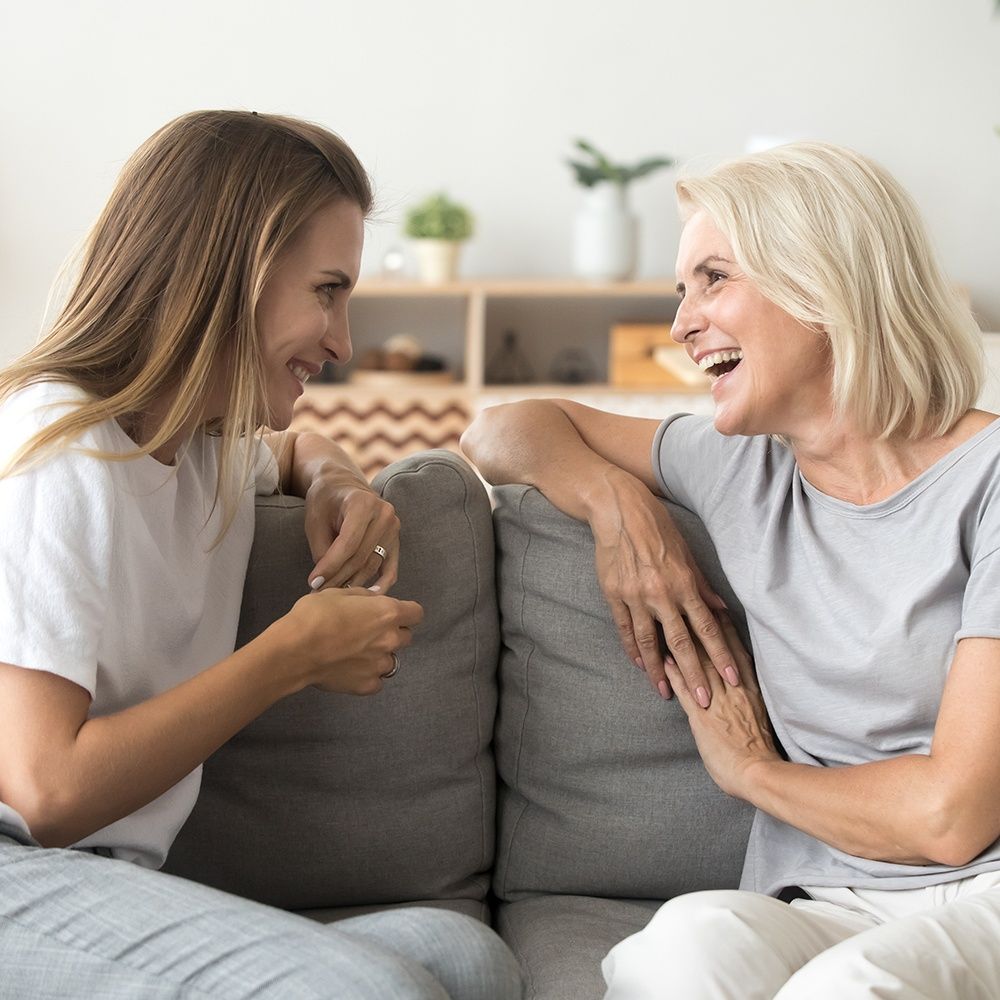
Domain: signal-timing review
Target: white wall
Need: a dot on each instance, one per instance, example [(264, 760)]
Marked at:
[(484, 98)]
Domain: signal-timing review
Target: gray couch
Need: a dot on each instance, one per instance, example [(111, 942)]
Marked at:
[(518, 768)]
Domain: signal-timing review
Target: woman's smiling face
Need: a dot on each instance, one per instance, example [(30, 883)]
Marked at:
[(770, 373), (302, 312)]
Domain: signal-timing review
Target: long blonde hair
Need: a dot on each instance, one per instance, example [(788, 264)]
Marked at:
[(170, 277), (835, 241)]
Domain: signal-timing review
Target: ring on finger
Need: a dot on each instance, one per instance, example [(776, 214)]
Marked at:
[(395, 667), (380, 552)]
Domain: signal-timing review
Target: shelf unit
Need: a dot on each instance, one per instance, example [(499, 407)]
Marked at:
[(467, 318), (464, 321)]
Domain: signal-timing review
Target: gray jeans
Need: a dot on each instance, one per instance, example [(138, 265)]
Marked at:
[(76, 925)]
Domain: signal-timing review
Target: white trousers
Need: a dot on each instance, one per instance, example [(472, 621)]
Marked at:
[(936, 943)]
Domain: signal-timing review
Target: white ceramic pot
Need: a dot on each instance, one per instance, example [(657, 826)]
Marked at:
[(605, 235), (437, 260)]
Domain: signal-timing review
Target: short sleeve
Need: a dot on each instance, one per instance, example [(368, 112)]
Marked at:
[(55, 561), (688, 457), (981, 601)]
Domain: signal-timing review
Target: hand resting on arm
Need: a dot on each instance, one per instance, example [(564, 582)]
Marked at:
[(596, 467), (939, 808)]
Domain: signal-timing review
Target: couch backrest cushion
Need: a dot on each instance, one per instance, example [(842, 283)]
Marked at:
[(602, 791), (332, 800)]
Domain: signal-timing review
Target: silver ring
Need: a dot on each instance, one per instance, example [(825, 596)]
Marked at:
[(395, 667), (380, 552)]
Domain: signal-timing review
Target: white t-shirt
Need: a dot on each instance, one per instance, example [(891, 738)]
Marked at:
[(108, 577)]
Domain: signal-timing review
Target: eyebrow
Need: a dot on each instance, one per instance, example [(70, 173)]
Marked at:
[(703, 268), (339, 274)]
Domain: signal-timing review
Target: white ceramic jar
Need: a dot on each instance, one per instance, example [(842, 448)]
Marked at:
[(605, 235)]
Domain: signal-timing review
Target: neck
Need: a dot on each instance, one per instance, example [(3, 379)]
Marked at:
[(143, 427), (861, 469)]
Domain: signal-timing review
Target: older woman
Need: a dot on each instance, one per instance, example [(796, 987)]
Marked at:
[(851, 488)]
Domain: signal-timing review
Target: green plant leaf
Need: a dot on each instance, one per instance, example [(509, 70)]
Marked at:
[(648, 166), (439, 218), (604, 169), (586, 175)]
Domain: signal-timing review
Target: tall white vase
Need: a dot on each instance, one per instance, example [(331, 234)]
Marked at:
[(605, 235)]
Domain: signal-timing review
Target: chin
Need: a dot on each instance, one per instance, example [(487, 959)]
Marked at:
[(279, 421), (279, 417)]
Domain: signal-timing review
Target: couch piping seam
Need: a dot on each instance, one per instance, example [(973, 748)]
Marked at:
[(527, 702)]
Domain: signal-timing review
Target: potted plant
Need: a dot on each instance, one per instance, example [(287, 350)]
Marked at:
[(606, 232), (439, 226)]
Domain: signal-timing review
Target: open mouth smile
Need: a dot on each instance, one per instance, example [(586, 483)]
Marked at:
[(720, 363)]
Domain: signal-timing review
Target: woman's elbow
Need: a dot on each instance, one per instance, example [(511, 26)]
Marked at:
[(958, 831), (45, 808), (478, 439)]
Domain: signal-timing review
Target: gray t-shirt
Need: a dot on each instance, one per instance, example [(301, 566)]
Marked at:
[(854, 614)]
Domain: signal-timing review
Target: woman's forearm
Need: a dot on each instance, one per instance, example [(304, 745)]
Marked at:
[(303, 456), (115, 764), (893, 810), (536, 443)]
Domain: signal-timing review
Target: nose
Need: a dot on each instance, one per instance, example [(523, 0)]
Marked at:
[(337, 340), (687, 321)]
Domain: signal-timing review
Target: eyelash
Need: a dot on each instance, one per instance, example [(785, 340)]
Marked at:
[(329, 289), (713, 278)]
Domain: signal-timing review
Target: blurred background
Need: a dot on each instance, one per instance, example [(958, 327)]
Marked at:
[(483, 100)]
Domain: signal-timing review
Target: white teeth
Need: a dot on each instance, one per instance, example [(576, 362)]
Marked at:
[(302, 374), (711, 360)]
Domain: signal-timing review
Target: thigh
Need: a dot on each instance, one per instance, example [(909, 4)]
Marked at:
[(948, 951), (468, 958), (73, 924), (723, 945)]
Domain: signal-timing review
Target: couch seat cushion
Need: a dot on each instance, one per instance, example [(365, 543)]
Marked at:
[(560, 940)]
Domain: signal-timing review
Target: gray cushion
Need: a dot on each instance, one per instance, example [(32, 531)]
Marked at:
[(560, 941), (332, 800), (602, 791)]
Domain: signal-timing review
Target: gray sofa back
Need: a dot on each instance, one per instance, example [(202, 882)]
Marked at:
[(332, 803)]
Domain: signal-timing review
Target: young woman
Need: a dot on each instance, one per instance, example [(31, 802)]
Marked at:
[(851, 488), (213, 285)]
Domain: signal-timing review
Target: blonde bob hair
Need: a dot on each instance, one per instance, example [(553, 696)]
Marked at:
[(170, 277), (831, 238)]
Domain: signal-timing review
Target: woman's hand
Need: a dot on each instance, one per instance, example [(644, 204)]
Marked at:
[(346, 640), (344, 524), (734, 733), (649, 578)]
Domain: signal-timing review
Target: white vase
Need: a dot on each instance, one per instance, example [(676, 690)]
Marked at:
[(437, 260), (605, 235)]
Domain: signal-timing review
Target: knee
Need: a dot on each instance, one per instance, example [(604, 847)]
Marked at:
[(468, 957), (701, 939), (698, 915), (491, 972)]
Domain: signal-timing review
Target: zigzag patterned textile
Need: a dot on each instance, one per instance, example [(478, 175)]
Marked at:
[(376, 432)]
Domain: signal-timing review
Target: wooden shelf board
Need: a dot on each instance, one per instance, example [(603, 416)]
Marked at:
[(590, 388), (516, 288)]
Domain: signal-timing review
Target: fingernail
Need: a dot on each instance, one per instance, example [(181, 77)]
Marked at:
[(638, 662), (664, 690), (732, 676), (318, 582), (702, 695), (375, 588), (670, 661)]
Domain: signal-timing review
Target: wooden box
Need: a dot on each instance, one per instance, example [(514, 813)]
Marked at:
[(643, 355)]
